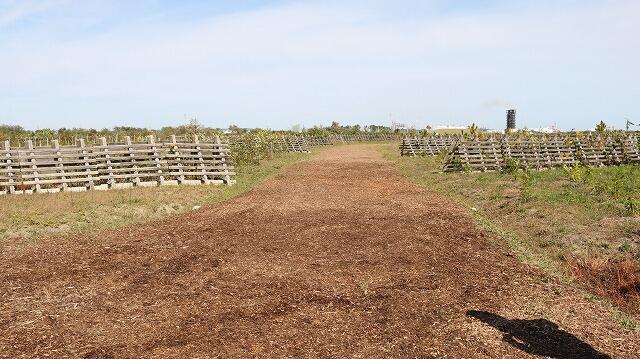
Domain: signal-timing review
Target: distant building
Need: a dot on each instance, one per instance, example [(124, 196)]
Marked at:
[(545, 130), (397, 126), (450, 128)]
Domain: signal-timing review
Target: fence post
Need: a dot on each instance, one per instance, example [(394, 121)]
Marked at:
[(156, 158), (177, 159), (10, 174), (132, 160), (34, 165), (227, 178), (201, 165), (107, 159), (87, 164), (55, 144)]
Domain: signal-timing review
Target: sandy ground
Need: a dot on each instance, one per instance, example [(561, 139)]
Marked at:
[(338, 256)]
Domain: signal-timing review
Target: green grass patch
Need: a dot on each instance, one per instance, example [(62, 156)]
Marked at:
[(39, 215)]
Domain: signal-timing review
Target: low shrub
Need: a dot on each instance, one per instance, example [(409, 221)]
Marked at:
[(526, 180), (456, 164), (577, 173), (510, 165)]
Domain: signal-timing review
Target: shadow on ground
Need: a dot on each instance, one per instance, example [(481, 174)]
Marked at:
[(538, 337)]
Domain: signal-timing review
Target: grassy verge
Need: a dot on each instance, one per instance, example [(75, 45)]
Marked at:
[(581, 225), (35, 216)]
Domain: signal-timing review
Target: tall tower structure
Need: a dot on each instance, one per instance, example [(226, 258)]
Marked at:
[(511, 120)]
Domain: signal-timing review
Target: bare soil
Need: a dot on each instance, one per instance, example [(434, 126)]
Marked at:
[(338, 256)]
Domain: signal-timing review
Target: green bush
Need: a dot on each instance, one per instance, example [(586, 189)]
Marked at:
[(527, 181), (577, 173), (511, 165), (251, 147), (617, 182), (456, 164)]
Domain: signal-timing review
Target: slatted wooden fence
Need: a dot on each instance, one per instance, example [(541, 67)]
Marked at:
[(314, 141), (428, 146), (103, 166), (297, 144), (477, 155), (367, 137), (496, 154), (291, 144), (537, 154)]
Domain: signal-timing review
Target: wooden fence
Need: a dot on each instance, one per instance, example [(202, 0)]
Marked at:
[(103, 166), (314, 141), (304, 143), (366, 137), (428, 146), (291, 144), (495, 154)]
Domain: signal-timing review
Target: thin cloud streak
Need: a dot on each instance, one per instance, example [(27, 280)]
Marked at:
[(12, 11)]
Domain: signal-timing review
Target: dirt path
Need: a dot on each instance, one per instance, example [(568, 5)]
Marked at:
[(338, 256)]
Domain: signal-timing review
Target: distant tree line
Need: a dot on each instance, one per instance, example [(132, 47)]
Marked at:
[(18, 134), (69, 135)]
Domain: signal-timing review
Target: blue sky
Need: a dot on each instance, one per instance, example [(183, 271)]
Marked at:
[(66, 63)]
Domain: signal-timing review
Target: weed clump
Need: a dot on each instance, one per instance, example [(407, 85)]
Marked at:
[(632, 207)]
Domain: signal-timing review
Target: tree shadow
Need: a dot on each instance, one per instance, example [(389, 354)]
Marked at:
[(538, 337)]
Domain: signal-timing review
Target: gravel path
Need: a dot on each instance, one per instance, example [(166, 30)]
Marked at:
[(338, 256)]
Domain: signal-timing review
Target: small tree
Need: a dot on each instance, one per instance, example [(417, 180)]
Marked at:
[(193, 127), (335, 127), (601, 127), (473, 129)]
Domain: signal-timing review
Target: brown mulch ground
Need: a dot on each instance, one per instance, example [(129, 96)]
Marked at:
[(338, 256)]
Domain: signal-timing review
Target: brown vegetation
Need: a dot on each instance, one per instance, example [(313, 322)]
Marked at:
[(616, 279)]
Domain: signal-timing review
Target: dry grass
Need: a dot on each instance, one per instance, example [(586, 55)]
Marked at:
[(30, 217), (618, 280)]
